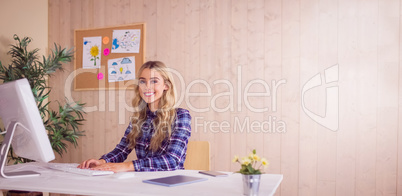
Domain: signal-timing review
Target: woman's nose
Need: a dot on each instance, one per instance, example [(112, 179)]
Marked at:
[(148, 85)]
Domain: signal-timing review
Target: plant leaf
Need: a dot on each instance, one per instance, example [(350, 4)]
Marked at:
[(62, 125)]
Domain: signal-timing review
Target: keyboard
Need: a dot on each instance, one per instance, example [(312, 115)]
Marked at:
[(72, 168)]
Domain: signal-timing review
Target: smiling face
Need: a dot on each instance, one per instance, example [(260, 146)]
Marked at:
[(151, 87)]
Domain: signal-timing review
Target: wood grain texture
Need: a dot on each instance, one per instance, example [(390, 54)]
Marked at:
[(220, 101), (187, 51), (273, 71), (226, 50), (309, 65), (327, 56), (256, 102), (346, 145), (399, 149), (290, 96), (203, 113), (366, 131), (239, 64), (387, 98)]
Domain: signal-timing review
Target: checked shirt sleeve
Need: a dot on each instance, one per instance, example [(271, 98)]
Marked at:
[(173, 152), (121, 151)]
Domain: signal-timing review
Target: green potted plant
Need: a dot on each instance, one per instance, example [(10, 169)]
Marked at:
[(62, 125), (251, 167)]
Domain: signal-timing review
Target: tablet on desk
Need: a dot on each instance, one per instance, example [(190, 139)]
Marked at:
[(213, 173), (174, 180)]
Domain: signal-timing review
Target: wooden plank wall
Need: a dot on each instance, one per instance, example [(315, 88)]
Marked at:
[(243, 64)]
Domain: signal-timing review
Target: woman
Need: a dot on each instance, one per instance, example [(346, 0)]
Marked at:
[(158, 132)]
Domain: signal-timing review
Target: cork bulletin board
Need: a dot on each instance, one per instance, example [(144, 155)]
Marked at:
[(108, 58)]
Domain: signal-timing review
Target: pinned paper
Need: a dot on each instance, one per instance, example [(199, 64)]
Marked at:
[(126, 41), (121, 69), (105, 40), (91, 54)]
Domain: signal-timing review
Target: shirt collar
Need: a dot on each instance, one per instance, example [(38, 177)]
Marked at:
[(151, 114)]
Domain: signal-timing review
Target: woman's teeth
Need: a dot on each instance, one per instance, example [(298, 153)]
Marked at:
[(148, 94)]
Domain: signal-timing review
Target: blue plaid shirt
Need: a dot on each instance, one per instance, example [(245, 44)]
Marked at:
[(171, 154)]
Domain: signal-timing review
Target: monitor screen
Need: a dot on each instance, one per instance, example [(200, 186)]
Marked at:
[(23, 124)]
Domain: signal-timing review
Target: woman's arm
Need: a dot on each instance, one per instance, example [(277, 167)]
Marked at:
[(175, 150), (113, 160)]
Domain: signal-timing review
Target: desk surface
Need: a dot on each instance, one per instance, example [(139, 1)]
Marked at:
[(61, 182)]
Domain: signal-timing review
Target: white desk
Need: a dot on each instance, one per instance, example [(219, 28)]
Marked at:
[(68, 183)]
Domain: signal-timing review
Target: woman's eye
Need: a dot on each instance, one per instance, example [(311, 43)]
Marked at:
[(154, 81), (142, 82)]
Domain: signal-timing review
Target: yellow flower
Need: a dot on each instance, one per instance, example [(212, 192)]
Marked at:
[(251, 164), (235, 159), (264, 162), (256, 157), (94, 51), (245, 161)]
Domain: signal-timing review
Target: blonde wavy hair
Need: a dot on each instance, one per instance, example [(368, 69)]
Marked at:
[(165, 114)]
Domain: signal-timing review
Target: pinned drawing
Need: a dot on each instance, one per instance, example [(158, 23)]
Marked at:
[(91, 56), (121, 69), (126, 41)]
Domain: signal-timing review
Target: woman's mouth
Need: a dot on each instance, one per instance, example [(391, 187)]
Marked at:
[(148, 94)]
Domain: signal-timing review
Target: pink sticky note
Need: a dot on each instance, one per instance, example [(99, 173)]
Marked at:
[(106, 51), (100, 76)]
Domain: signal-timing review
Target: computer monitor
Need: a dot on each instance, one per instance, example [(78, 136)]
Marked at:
[(23, 126)]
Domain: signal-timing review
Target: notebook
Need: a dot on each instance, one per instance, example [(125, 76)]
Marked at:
[(174, 180)]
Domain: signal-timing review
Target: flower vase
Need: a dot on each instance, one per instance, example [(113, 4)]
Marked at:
[(251, 184)]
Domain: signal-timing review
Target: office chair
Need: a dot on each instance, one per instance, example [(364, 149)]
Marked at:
[(198, 156)]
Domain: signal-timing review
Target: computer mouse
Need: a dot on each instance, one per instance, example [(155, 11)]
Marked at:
[(123, 175)]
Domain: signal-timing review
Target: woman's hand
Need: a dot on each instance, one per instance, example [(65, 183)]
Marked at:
[(115, 167), (91, 163)]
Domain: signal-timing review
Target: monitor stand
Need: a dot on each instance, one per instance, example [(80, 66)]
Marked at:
[(4, 151)]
